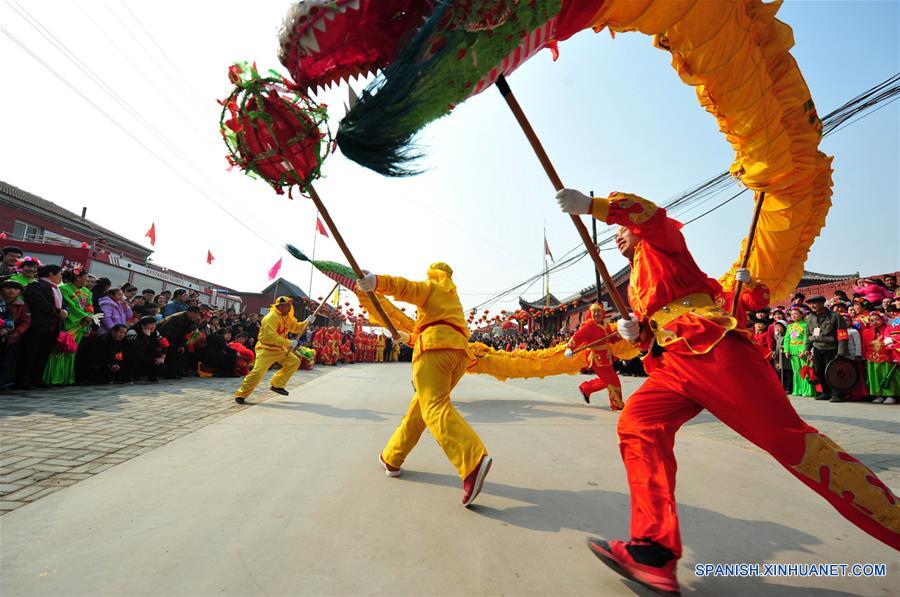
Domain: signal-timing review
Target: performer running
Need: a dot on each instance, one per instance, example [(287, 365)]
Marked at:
[(600, 358), (273, 347), (440, 359), (697, 360)]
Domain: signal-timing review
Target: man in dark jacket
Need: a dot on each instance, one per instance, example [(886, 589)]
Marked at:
[(175, 328), (826, 338), (218, 355), (146, 350), (45, 303), (101, 359), (15, 319)]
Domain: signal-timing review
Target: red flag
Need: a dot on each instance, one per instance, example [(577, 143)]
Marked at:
[(320, 228), (152, 234), (273, 272), (547, 249), (209, 257)]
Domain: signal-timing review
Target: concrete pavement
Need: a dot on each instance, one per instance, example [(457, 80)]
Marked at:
[(55, 438), (287, 497)]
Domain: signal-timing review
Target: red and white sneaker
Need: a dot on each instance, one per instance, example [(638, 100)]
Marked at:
[(390, 471), (475, 481), (642, 561)]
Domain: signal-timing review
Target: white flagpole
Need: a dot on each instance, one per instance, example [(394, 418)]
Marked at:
[(311, 266)]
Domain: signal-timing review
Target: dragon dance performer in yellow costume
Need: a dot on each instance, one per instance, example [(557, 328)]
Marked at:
[(272, 347), (440, 340)]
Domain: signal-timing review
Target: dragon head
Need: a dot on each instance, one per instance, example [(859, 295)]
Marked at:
[(432, 56)]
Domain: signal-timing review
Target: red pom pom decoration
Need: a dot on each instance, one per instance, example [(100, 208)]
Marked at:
[(272, 130)]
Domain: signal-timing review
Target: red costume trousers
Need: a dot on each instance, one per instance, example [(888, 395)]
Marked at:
[(606, 378), (738, 387)]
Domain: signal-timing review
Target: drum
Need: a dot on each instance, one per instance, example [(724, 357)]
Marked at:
[(842, 374)]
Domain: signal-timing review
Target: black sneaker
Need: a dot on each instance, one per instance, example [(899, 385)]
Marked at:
[(153, 379), (239, 400), (587, 399), (836, 398), (823, 397), (281, 391)]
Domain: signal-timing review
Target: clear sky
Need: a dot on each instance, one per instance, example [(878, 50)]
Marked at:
[(612, 114)]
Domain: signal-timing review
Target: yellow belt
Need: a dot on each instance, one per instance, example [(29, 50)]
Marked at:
[(679, 307)]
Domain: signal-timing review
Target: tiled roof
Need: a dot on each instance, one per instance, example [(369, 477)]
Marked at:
[(807, 275), (48, 207), (618, 277), (548, 300), (284, 288)]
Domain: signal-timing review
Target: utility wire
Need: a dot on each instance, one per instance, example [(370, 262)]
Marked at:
[(852, 111), (137, 140)]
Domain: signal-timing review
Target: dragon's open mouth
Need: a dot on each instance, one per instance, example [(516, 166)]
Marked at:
[(329, 41)]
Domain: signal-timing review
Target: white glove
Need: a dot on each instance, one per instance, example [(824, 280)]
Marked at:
[(569, 353), (573, 202), (888, 341), (742, 275), (293, 344), (368, 282), (402, 337), (308, 320), (629, 329)]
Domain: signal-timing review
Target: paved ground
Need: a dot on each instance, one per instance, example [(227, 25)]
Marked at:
[(286, 498), (59, 437)]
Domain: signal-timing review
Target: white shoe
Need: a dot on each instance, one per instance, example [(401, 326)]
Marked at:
[(878, 400), (388, 470), (890, 400)]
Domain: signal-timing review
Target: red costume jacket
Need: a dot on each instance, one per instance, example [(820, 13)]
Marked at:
[(591, 331), (680, 305)]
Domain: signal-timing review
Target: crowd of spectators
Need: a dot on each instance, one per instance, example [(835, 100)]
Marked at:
[(802, 338), (512, 340), (59, 327)]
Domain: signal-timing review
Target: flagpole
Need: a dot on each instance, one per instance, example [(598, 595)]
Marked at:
[(311, 267)]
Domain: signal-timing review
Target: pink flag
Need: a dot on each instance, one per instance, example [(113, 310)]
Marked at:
[(209, 257), (273, 273)]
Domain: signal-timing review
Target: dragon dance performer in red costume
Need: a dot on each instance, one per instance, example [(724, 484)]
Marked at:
[(600, 358), (698, 358)]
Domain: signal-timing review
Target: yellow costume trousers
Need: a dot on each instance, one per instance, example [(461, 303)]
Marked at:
[(379, 355), (435, 374), (264, 360)]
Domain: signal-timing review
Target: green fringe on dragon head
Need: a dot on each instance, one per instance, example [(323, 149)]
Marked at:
[(432, 55)]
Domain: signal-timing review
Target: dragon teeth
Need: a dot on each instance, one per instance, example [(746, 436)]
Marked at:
[(308, 42), (320, 24)]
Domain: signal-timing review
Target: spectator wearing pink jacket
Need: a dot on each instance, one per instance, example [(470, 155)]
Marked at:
[(873, 290), (115, 311)]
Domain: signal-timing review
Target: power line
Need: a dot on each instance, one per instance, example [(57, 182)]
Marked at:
[(121, 127), (153, 85), (146, 31), (142, 46), (852, 111)]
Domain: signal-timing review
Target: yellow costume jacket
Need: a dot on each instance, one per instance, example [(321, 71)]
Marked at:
[(274, 329)]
